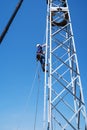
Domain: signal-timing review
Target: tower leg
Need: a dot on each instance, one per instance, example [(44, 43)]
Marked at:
[(66, 107)]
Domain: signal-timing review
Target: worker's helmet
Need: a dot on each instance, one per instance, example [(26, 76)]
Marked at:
[(37, 45)]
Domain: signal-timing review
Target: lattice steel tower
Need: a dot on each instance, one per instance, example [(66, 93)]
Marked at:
[(63, 88)]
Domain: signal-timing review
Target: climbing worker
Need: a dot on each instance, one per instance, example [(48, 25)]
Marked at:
[(40, 55)]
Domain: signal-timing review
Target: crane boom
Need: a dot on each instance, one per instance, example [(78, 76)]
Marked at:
[(10, 21)]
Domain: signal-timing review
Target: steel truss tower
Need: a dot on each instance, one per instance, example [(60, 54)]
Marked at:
[(66, 107)]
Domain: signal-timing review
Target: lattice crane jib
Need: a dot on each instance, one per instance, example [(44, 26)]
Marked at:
[(66, 107)]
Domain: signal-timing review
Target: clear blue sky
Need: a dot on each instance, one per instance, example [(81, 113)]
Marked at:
[(18, 64)]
